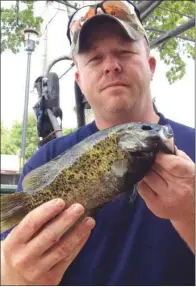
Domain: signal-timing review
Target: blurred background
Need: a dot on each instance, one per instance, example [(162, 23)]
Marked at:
[(173, 86)]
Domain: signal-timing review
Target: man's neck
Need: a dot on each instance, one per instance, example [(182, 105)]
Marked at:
[(117, 119)]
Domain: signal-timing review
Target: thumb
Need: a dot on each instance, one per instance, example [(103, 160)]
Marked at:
[(181, 153)]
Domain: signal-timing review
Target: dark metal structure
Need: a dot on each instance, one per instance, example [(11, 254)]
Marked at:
[(146, 9)]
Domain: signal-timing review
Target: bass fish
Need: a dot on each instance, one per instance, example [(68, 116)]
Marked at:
[(93, 172)]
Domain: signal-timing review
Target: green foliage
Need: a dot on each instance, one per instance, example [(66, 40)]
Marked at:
[(11, 139), (13, 23), (167, 16), (68, 131), (173, 50), (4, 139)]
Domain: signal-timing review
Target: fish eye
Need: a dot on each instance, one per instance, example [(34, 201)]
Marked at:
[(146, 128)]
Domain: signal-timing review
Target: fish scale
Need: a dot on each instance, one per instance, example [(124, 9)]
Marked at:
[(92, 172), (70, 182)]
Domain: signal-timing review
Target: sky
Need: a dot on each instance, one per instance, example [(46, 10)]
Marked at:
[(176, 101)]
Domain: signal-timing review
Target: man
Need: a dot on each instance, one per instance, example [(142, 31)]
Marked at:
[(149, 242)]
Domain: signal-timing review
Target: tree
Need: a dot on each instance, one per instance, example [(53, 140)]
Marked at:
[(4, 140), (68, 131), (167, 16), (14, 21), (11, 143)]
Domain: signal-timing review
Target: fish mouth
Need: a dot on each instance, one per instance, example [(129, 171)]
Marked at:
[(167, 131), (166, 143)]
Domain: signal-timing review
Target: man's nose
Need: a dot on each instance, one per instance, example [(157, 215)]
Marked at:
[(112, 66)]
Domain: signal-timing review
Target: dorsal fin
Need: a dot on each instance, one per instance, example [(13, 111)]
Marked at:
[(41, 176)]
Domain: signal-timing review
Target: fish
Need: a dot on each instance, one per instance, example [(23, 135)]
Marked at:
[(93, 172)]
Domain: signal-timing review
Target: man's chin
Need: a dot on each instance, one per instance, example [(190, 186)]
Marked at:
[(117, 108), (118, 102)]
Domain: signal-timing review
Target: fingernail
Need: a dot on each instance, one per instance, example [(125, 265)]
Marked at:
[(78, 208), (58, 201), (90, 222)]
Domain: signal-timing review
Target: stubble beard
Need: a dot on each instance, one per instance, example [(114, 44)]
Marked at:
[(121, 105)]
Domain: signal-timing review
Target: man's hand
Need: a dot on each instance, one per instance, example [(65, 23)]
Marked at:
[(39, 250), (168, 191)]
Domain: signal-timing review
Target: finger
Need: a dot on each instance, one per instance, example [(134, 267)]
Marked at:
[(175, 165), (64, 249), (34, 220), (182, 154), (59, 269), (155, 181), (166, 176), (53, 231), (147, 194), (164, 159)]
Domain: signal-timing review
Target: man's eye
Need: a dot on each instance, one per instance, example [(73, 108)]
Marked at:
[(96, 58), (127, 52)]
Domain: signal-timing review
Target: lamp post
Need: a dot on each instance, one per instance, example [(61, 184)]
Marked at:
[(30, 39)]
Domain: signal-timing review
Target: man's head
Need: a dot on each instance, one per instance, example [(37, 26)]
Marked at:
[(113, 69)]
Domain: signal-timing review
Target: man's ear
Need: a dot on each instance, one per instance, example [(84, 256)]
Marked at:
[(77, 78), (152, 65)]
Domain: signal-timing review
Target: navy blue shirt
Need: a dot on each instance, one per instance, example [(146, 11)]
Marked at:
[(129, 245)]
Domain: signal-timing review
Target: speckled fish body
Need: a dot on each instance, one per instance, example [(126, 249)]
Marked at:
[(94, 171)]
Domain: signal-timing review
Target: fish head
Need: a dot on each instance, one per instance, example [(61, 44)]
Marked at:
[(146, 137)]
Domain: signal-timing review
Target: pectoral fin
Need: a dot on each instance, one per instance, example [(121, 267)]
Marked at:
[(120, 167)]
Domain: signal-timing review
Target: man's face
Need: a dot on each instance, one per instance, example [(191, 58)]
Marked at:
[(114, 72)]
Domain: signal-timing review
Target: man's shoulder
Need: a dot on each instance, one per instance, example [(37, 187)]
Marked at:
[(181, 127), (181, 130)]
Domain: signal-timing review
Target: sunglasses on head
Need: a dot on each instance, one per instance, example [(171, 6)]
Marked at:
[(119, 9)]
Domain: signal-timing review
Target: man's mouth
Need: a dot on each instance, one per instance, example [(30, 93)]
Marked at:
[(115, 84)]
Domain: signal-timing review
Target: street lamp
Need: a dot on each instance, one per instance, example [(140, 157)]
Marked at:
[(31, 36)]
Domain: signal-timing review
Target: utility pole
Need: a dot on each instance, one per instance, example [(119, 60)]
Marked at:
[(45, 43), (30, 37), (45, 55)]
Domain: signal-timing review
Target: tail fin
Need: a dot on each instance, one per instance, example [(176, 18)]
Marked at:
[(13, 209)]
